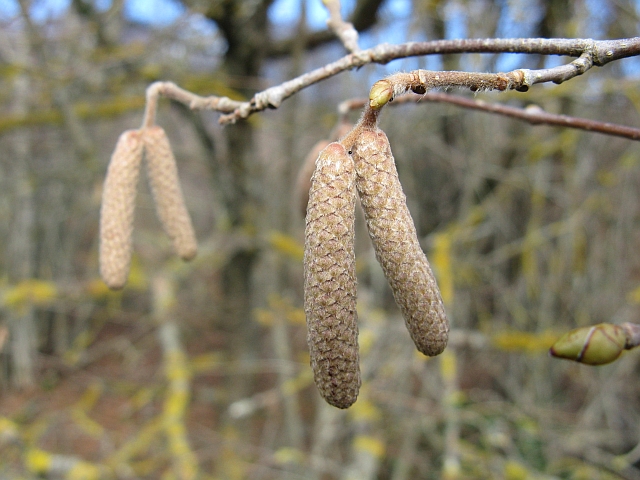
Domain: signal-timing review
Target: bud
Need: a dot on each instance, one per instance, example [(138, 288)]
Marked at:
[(117, 209), (167, 194), (330, 278), (396, 243), (380, 94), (596, 345)]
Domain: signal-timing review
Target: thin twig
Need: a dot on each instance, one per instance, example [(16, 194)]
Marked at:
[(599, 52), (345, 31), (591, 52), (531, 114), (420, 81)]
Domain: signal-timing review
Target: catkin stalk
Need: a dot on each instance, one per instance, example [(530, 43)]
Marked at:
[(330, 278), (396, 243), (117, 210), (167, 194)]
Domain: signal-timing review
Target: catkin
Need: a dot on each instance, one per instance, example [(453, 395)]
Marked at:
[(117, 210), (167, 194), (330, 278), (396, 243), (303, 181)]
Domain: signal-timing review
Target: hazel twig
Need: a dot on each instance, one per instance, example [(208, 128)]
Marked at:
[(531, 114), (420, 81), (345, 31), (590, 53), (596, 52)]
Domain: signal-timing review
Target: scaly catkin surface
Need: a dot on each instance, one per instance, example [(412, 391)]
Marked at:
[(167, 194), (330, 278), (396, 243), (117, 210)]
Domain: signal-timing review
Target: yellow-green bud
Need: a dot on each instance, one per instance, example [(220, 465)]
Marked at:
[(596, 345), (380, 94)]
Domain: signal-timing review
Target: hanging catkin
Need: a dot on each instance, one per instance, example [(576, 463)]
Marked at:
[(167, 194), (303, 180), (396, 243), (117, 210), (330, 278)]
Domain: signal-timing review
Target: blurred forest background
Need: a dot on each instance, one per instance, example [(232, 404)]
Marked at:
[(201, 370)]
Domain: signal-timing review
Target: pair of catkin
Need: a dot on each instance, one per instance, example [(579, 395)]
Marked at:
[(368, 167), (119, 196)]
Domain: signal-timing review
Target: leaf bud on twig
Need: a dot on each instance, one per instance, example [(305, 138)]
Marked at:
[(596, 345)]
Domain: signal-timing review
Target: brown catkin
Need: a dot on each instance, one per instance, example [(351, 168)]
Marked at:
[(303, 181), (117, 210), (330, 277), (396, 243), (167, 194)]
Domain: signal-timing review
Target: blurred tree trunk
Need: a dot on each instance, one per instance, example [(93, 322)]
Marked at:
[(20, 247), (245, 28)]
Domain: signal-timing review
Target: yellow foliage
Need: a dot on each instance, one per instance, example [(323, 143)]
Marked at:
[(206, 362), (293, 385), (38, 461), (529, 262), (8, 429), (143, 440), (230, 464), (364, 410), (177, 367), (516, 341), (138, 279), (88, 425), (369, 444), (366, 340), (31, 292), (296, 316), (98, 290), (142, 398), (607, 178), (448, 365), (84, 471), (634, 295), (515, 471), (90, 396), (286, 245), (289, 456), (263, 316), (441, 260), (279, 308)]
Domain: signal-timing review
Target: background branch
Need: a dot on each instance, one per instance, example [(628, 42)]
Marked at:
[(532, 114)]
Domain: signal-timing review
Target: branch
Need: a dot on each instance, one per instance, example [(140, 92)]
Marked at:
[(531, 114), (590, 53), (363, 18), (345, 31)]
